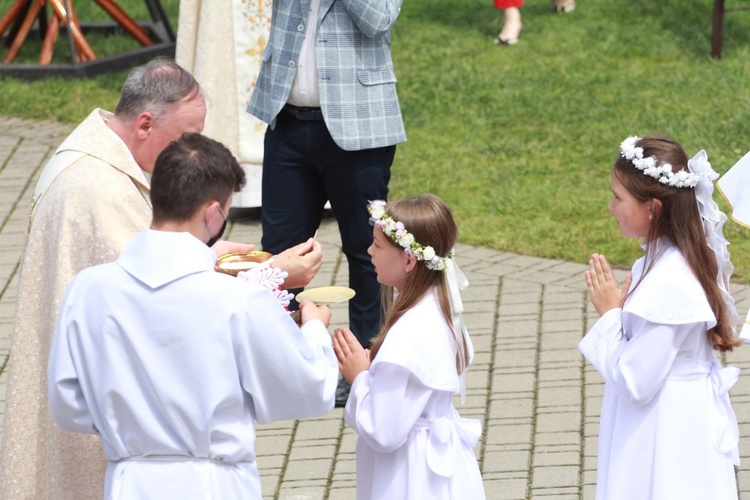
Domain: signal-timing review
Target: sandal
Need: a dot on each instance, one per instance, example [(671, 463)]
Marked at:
[(504, 42), (563, 5)]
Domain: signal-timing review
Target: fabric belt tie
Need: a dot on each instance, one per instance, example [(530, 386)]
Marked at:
[(444, 435), (725, 432), (179, 458), (303, 114)]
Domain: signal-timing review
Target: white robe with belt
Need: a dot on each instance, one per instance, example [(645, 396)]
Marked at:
[(412, 442), (667, 428), (171, 363)]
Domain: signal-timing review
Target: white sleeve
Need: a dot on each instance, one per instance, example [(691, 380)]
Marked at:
[(635, 368), (290, 373), (385, 404), (66, 399)]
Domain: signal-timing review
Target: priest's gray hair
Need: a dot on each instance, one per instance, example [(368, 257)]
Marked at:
[(155, 87)]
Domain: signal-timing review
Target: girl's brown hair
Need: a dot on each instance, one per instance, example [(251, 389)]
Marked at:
[(678, 220), (430, 220)]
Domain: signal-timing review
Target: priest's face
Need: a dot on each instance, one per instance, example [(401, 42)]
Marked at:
[(389, 260), (185, 116), (633, 216)]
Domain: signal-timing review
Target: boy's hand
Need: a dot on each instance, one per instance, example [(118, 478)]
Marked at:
[(310, 311)]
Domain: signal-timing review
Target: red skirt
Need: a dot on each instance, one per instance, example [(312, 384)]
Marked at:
[(506, 4)]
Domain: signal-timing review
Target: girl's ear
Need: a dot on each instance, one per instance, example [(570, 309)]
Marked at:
[(411, 262), (655, 207)]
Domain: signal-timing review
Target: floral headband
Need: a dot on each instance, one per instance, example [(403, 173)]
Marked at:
[(663, 173), (397, 232)]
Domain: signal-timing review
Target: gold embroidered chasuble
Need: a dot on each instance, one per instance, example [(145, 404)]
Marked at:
[(220, 42), (86, 216)]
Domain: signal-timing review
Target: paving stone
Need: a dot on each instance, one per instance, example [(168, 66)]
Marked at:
[(558, 396), (551, 458), (554, 493), (514, 489), (559, 422), (295, 491), (555, 476), (503, 460), (309, 469)]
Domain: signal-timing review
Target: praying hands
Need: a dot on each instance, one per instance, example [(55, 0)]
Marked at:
[(603, 288), (353, 358)]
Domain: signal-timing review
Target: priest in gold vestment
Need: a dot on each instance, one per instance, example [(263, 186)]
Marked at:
[(92, 198)]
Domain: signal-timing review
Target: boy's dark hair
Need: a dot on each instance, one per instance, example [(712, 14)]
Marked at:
[(190, 172)]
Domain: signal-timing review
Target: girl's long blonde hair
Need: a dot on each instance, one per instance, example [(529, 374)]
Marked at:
[(430, 220)]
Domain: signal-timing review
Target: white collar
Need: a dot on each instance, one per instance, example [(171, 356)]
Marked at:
[(160, 257)]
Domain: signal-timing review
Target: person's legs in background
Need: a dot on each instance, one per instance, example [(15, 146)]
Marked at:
[(512, 27), (293, 197), (302, 169), (356, 178), (352, 179)]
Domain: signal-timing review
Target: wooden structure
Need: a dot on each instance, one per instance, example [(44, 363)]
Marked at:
[(718, 26), (156, 37)]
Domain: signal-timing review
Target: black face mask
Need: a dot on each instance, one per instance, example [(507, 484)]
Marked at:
[(216, 238)]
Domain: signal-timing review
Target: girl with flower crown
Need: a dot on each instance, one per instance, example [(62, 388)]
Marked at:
[(412, 442), (667, 427)]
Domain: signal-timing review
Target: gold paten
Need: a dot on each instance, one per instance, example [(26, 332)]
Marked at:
[(233, 263)]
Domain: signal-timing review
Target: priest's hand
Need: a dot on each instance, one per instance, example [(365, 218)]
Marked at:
[(605, 292), (353, 358), (301, 263), (222, 247), (309, 311)]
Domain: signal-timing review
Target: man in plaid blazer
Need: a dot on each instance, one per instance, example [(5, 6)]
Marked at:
[(327, 89)]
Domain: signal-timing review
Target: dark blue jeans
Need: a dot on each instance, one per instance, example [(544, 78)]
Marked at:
[(302, 169)]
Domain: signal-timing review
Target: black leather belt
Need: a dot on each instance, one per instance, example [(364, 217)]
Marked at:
[(303, 114)]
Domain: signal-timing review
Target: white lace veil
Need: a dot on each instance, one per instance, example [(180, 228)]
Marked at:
[(713, 223)]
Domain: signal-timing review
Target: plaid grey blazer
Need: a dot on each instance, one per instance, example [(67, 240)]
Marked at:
[(356, 81)]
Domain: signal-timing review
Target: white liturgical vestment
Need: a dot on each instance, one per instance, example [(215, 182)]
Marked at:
[(412, 442), (667, 427), (171, 363)]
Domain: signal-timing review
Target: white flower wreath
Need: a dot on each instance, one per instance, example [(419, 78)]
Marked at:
[(399, 234), (650, 166)]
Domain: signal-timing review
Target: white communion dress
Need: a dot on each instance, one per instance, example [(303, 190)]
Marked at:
[(667, 427), (412, 442)]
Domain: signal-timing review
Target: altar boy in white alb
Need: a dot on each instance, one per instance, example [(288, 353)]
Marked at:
[(171, 362)]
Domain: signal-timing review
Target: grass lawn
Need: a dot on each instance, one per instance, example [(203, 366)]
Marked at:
[(520, 141)]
